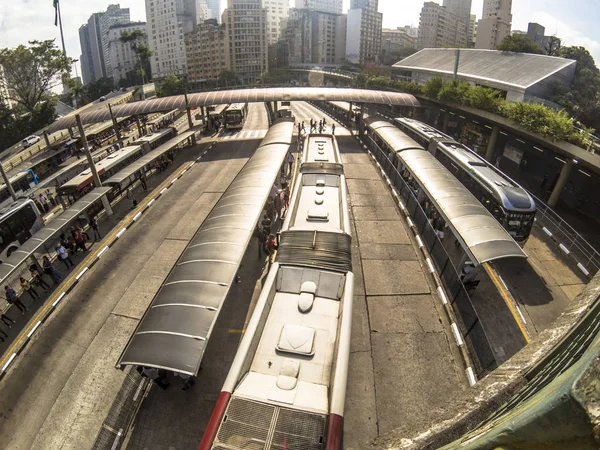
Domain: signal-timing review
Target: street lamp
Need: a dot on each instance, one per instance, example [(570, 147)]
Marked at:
[(74, 63)]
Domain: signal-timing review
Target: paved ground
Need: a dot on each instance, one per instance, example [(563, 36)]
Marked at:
[(58, 393), (403, 365)]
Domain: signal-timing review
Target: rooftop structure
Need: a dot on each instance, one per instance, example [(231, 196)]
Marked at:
[(517, 75)]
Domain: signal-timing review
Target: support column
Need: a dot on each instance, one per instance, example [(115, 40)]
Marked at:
[(275, 108), (445, 122), (115, 127), (489, 152), (139, 126), (560, 184), (71, 133), (349, 118), (47, 139), (86, 149), (189, 112), (11, 191), (361, 125)]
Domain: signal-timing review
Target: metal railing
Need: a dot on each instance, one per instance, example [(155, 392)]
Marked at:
[(122, 412), (468, 320), (571, 243)]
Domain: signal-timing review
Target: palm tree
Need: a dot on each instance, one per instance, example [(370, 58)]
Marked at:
[(142, 52)]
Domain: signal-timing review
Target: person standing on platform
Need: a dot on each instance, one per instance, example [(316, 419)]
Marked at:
[(6, 320), (27, 287), (37, 279), (51, 271), (94, 226), (63, 255), (156, 376), (13, 299)]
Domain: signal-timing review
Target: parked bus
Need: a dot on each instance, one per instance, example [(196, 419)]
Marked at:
[(154, 140), (235, 115), (83, 183), (284, 109), (18, 222), (21, 183)]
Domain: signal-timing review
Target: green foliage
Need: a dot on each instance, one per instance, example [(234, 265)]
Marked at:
[(14, 126), (171, 85), (228, 78), (433, 87), (142, 53), (276, 76), (402, 86), (556, 125), (454, 91), (481, 97), (518, 43), (33, 71)]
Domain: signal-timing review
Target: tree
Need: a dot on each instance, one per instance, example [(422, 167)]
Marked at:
[(142, 52), (519, 43), (228, 78), (99, 88), (33, 71), (77, 92), (552, 45), (171, 85)]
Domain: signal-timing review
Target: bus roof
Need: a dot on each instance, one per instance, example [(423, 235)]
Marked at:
[(14, 206), (236, 107), (153, 137)]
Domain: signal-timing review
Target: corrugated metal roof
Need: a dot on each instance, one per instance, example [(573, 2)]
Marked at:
[(484, 237), (176, 327), (389, 132), (239, 96), (515, 70), (150, 157), (49, 232)]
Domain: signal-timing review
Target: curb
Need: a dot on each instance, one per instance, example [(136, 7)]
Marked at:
[(57, 297)]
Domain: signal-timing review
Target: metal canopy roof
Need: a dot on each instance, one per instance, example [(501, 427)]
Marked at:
[(150, 157), (389, 132), (502, 69), (239, 96), (176, 327), (49, 232), (482, 236)]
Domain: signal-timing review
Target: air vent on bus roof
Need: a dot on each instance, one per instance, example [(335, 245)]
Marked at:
[(477, 163)]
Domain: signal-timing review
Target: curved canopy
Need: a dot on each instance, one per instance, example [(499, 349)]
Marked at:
[(484, 237), (177, 325), (258, 95)]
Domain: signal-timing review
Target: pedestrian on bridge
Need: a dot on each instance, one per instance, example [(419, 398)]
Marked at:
[(333, 128), (13, 299), (27, 287)]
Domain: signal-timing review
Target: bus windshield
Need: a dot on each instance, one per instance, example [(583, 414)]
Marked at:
[(17, 226), (233, 116)]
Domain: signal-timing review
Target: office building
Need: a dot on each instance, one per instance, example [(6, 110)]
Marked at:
[(328, 6), (247, 44), (462, 9), (397, 38), (123, 58), (472, 31), (167, 22), (277, 10), (440, 28), (536, 33), (312, 37), (93, 39), (410, 30), (495, 23), (206, 52), (363, 32), (4, 93)]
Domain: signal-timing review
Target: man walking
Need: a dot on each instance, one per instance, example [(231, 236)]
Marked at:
[(13, 299), (333, 128)]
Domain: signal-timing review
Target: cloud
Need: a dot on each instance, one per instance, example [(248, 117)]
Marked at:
[(569, 35)]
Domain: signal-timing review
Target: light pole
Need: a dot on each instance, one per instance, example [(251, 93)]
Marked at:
[(76, 71)]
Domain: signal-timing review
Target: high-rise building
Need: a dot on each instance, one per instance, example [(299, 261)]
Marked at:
[(247, 42), (313, 37), (206, 52), (495, 23), (277, 10), (4, 93), (328, 6), (123, 58), (397, 38), (472, 31), (462, 9), (93, 38), (167, 22), (410, 30), (438, 27), (363, 31)]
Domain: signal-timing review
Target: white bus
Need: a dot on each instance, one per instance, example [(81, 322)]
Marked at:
[(18, 222), (235, 115)]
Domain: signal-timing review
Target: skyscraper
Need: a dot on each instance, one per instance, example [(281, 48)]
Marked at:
[(363, 31), (495, 23), (438, 27), (167, 22), (277, 10), (462, 9), (122, 57), (247, 42), (214, 8), (329, 6), (93, 39)]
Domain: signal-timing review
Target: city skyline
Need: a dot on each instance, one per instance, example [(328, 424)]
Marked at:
[(572, 22)]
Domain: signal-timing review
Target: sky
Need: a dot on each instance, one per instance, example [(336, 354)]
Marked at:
[(575, 21)]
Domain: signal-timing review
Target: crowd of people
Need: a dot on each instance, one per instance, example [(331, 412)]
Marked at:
[(46, 202), (320, 126)]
